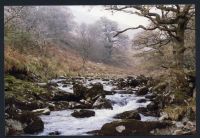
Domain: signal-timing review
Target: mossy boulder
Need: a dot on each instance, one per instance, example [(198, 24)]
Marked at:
[(34, 124), (142, 91), (133, 114), (102, 103), (95, 92), (130, 127), (83, 113), (79, 90)]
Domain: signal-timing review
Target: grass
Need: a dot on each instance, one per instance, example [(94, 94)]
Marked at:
[(22, 90)]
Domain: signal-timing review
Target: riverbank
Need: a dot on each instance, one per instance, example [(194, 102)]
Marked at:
[(68, 106)]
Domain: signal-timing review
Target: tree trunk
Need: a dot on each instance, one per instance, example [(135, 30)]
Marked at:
[(178, 51), (179, 48)]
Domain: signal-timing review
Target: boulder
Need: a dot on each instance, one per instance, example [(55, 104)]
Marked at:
[(142, 79), (44, 111), (142, 91), (152, 106), (83, 113), (121, 83), (146, 112), (150, 96), (13, 127), (128, 115), (65, 96), (123, 91), (141, 101), (54, 133), (34, 124), (130, 127), (102, 103), (132, 82), (52, 83), (79, 90), (95, 92), (24, 105)]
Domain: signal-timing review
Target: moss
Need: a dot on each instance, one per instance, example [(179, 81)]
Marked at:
[(175, 112), (180, 95), (160, 87), (22, 90)]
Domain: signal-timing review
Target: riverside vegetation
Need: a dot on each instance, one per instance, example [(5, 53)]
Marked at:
[(53, 88)]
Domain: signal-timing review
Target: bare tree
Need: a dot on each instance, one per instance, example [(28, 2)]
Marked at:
[(85, 43), (171, 20)]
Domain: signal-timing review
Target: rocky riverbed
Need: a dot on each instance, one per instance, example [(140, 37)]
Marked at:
[(95, 106)]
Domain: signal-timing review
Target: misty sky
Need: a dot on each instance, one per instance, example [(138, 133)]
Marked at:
[(90, 14)]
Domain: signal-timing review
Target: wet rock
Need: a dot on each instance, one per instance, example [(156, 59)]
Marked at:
[(83, 113), (102, 103), (64, 96), (95, 92), (150, 96), (132, 82), (146, 112), (93, 132), (123, 91), (141, 101), (55, 133), (65, 85), (52, 83), (24, 105), (142, 79), (44, 111), (105, 79), (130, 127), (79, 90), (109, 92), (152, 106), (142, 91), (128, 115), (121, 83), (51, 106), (13, 127), (32, 122)]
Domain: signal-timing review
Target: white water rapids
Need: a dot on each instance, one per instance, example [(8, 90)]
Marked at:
[(63, 122)]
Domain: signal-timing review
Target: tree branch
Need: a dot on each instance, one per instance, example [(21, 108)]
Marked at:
[(132, 28)]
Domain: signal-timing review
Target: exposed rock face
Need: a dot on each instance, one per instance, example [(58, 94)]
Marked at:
[(128, 115), (130, 127), (83, 113), (102, 103)]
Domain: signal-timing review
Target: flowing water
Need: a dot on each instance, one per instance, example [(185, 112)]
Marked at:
[(63, 122)]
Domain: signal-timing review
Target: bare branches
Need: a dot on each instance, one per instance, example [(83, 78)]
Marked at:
[(13, 13), (132, 28)]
